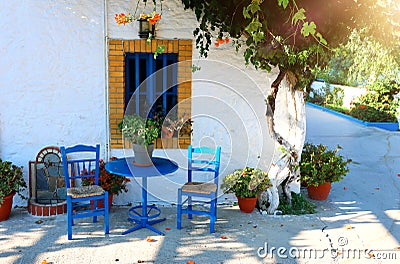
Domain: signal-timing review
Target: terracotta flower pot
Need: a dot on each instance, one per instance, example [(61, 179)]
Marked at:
[(319, 192), (5, 208), (247, 205), (100, 203)]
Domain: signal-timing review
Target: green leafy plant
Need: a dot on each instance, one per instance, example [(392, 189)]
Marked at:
[(319, 165), (362, 60), (378, 105), (335, 97), (112, 183), (139, 130), (11, 180), (300, 205), (246, 183)]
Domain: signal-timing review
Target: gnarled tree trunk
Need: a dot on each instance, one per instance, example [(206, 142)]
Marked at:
[(287, 126)]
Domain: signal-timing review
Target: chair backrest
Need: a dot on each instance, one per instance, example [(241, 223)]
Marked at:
[(80, 162), (204, 159)]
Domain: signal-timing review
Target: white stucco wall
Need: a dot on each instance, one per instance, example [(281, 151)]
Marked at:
[(52, 76), (350, 93), (53, 87)]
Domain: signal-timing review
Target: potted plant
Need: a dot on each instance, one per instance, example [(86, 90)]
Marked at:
[(11, 182), (171, 123), (141, 132), (246, 184), (111, 183), (147, 23), (319, 167)]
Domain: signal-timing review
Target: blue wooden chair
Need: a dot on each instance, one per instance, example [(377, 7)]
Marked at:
[(205, 160), (81, 162)]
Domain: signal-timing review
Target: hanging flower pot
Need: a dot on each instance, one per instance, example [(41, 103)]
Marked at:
[(146, 28)]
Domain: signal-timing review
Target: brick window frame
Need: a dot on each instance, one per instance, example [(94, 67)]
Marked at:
[(116, 84)]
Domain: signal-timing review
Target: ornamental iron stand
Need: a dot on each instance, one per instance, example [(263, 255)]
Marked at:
[(47, 192)]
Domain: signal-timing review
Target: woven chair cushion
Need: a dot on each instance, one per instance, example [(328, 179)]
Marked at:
[(199, 187), (85, 191)]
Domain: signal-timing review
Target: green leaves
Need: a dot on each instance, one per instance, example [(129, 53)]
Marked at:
[(253, 26), (11, 179), (308, 28), (299, 16), (319, 164), (138, 130), (252, 8), (159, 50), (246, 183), (321, 39), (283, 3)]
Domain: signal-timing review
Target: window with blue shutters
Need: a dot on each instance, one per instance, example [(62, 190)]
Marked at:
[(150, 83), (132, 87)]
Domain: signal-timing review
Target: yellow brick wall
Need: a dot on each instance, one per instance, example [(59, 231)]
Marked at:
[(116, 83)]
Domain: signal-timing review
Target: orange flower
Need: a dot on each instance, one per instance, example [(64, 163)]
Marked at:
[(154, 19), (120, 19), (362, 106), (123, 19), (143, 16), (149, 239), (220, 41)]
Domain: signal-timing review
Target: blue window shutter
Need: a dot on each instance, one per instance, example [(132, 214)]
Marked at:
[(140, 66)]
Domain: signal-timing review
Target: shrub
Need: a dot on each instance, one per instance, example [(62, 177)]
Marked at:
[(246, 183), (319, 165), (11, 179)]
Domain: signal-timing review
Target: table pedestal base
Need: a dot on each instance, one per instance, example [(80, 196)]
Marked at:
[(142, 219)]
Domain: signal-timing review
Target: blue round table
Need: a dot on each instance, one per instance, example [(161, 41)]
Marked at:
[(125, 167)]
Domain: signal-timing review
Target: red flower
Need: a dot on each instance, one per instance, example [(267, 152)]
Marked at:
[(220, 41), (114, 184), (216, 44), (226, 40)]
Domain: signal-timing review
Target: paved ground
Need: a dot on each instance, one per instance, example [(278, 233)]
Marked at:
[(361, 218)]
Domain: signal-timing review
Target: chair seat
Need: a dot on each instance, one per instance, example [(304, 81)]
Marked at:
[(85, 191), (199, 187)]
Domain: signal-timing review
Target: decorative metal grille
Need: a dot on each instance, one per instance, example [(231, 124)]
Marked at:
[(47, 179)]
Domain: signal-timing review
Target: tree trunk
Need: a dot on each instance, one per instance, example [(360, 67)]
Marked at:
[(287, 126)]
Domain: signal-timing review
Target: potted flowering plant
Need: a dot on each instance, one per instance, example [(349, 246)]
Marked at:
[(111, 183), (141, 132), (319, 167), (246, 184), (146, 22), (11, 182)]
